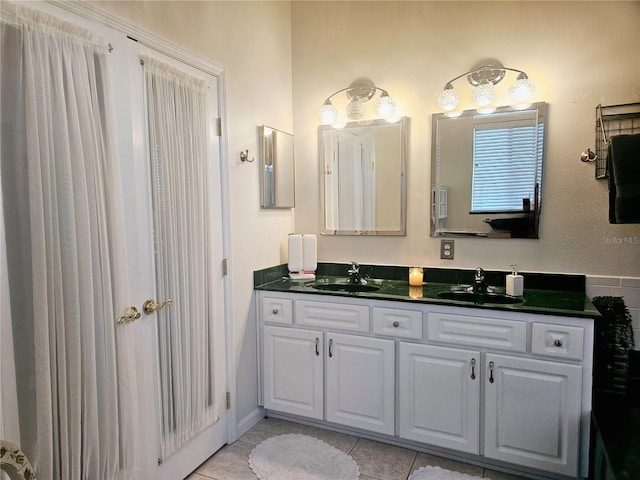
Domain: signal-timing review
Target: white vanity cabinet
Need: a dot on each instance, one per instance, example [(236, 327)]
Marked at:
[(505, 388), (439, 396), (532, 411), (360, 374), (293, 371), (360, 371)]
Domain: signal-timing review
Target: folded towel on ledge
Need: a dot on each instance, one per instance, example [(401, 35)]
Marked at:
[(624, 179)]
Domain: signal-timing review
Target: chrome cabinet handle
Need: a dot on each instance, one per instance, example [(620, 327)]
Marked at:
[(557, 342), (396, 324), (473, 369), (330, 346), (274, 311), (151, 306), (317, 351), (491, 380), (130, 314)]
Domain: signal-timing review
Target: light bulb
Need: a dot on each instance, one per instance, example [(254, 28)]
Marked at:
[(521, 92), (328, 113), (355, 109), (385, 106), (484, 94), (448, 99)]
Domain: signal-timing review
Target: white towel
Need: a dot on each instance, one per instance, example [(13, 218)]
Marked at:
[(309, 253), (295, 253)]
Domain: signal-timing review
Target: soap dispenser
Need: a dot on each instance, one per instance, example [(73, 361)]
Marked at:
[(515, 282)]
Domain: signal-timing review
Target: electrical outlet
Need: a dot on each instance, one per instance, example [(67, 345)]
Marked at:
[(446, 249)]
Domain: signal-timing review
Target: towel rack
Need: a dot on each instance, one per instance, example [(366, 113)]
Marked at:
[(611, 120)]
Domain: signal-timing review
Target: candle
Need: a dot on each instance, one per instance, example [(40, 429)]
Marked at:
[(415, 276)]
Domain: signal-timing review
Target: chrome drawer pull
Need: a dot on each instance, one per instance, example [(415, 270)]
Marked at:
[(330, 346), (491, 372), (396, 324), (317, 352), (274, 311), (557, 342), (473, 369)]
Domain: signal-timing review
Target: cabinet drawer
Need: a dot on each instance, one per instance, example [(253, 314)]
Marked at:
[(353, 318), (397, 323), (557, 341), (508, 335), (277, 310)]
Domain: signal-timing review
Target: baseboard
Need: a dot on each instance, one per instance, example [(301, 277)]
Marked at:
[(249, 421)]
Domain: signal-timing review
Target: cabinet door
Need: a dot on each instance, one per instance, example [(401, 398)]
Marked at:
[(532, 413), (293, 371), (439, 395), (360, 382)]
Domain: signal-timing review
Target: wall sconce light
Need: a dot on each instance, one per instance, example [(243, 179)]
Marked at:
[(358, 93), (484, 79)]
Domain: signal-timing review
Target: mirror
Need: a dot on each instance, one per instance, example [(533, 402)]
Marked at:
[(486, 172), (363, 190), (277, 172)]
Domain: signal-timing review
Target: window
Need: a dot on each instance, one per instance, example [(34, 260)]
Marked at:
[(507, 165)]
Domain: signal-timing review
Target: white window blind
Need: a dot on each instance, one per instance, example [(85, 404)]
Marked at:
[(507, 165)]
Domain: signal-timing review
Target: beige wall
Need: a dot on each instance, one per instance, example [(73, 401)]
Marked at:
[(578, 54), (252, 42)]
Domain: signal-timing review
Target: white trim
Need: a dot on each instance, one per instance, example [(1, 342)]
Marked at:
[(95, 14), (251, 420)]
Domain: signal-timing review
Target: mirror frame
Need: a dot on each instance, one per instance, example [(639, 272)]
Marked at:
[(541, 117), (404, 142), (269, 158)]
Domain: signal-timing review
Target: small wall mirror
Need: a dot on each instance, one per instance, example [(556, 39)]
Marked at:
[(363, 182), (277, 172), (486, 172)]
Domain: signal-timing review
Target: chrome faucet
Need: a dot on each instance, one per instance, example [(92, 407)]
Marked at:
[(479, 282), (354, 274)]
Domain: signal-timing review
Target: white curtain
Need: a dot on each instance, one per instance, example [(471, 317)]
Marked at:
[(178, 140), (60, 221)]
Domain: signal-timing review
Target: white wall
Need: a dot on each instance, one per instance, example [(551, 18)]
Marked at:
[(252, 41), (578, 54)]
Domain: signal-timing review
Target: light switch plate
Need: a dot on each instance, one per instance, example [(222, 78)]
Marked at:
[(446, 249)]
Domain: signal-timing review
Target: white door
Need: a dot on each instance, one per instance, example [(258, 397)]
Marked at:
[(175, 387), (293, 371), (360, 382), (532, 413), (439, 391)]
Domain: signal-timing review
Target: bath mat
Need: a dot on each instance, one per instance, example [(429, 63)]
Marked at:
[(437, 473), (300, 457)]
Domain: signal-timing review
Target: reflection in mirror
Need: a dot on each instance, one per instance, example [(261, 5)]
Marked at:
[(486, 172), (363, 178), (277, 172)]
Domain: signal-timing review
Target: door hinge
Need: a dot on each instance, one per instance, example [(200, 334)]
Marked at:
[(219, 126), (225, 267), (228, 400)]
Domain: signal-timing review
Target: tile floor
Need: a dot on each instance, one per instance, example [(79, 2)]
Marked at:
[(377, 461)]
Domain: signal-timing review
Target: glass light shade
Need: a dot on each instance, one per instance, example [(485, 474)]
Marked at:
[(454, 113), (328, 113), (355, 110), (385, 106), (487, 109), (484, 94), (448, 99), (521, 91)]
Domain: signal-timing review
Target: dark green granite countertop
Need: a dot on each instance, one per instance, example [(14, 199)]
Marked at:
[(551, 294)]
